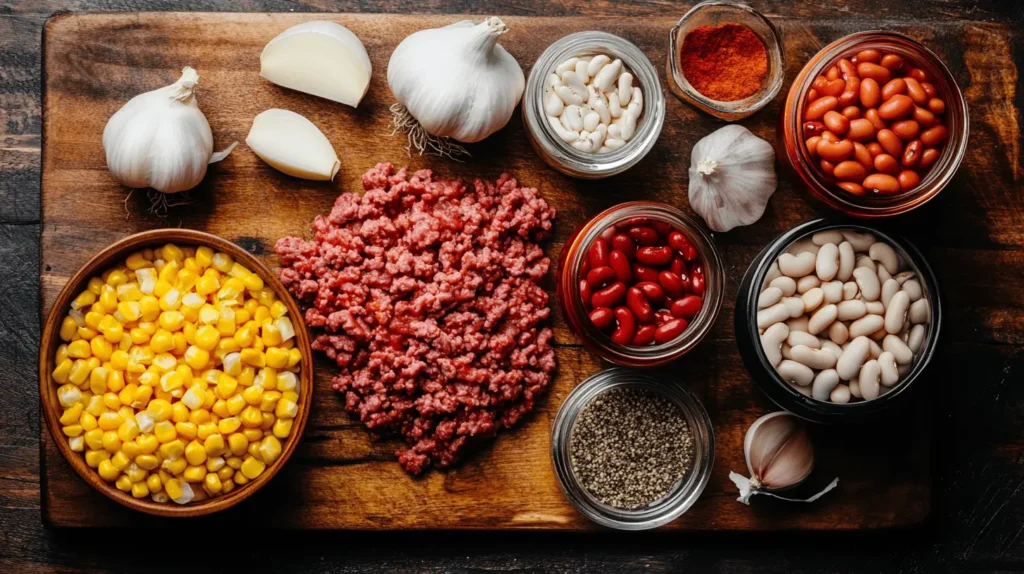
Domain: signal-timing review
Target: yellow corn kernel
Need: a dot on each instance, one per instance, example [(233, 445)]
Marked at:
[(162, 342), (238, 444), (169, 271), (253, 358), (108, 471), (270, 449), (239, 271), (93, 319), (226, 386), (251, 467), (154, 484), (108, 298), (222, 262), (129, 292), (228, 425), (119, 360), (73, 430), (62, 354), (180, 344), (253, 282), (111, 442), (94, 285), (277, 357), (213, 484), (173, 488), (139, 336), (172, 252), (95, 406), (199, 416), (194, 473), (85, 299), (148, 443), (111, 420), (68, 328), (195, 453), (171, 300), (269, 400), (140, 490), (127, 394), (282, 428), (187, 430), (245, 378), (206, 429), (94, 457), (262, 315), (88, 422), (253, 395), (269, 333), (171, 320), (130, 310), (72, 414), (79, 349), (159, 409), (294, 357), (220, 408), (245, 336), (120, 460), (147, 462), (204, 256), (60, 374), (172, 450), (215, 463), (179, 413), (214, 445), (232, 288), (254, 434), (176, 466), (251, 417), (135, 261), (286, 409), (131, 449), (228, 345), (115, 381), (165, 431), (207, 285), (235, 404), (101, 348), (207, 337), (142, 397), (136, 474), (86, 333), (128, 430), (150, 307), (197, 358)]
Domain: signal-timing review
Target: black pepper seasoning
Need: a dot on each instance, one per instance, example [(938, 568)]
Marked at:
[(630, 446)]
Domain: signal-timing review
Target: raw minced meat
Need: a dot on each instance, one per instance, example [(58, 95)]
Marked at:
[(426, 294)]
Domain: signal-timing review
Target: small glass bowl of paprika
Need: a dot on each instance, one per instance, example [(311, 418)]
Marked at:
[(640, 284), (725, 59)]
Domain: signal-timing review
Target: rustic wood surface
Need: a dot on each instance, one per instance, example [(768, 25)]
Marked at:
[(972, 235), (339, 477)]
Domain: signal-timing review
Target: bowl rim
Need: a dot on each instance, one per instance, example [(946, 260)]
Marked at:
[(50, 340), (771, 384)]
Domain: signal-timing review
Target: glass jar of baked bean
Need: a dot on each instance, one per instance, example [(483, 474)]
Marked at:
[(640, 283), (874, 124)]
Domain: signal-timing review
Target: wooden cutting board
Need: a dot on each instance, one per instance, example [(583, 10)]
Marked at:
[(339, 478)]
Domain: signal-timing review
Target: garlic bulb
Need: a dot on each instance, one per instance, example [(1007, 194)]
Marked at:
[(732, 176), (161, 139), (292, 144), (456, 82), (779, 456)]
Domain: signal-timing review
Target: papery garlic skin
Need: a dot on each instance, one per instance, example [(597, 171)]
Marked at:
[(732, 177), (292, 144), (321, 58), (457, 81), (161, 139)]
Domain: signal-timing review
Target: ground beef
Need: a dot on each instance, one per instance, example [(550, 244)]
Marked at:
[(426, 294)]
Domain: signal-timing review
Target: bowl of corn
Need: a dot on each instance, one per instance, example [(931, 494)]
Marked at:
[(175, 373)]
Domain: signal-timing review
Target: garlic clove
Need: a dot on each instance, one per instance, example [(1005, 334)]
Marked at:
[(321, 58), (292, 144)]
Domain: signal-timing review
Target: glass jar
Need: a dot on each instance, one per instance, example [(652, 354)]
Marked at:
[(681, 497), (784, 394), (564, 157), (571, 263), (714, 14), (806, 168)]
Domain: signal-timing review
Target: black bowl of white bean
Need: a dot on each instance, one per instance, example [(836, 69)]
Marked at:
[(836, 321)]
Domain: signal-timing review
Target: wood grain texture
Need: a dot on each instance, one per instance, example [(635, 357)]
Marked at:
[(339, 478), (972, 235)]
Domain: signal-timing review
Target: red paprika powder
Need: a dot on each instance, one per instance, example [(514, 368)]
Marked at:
[(726, 62)]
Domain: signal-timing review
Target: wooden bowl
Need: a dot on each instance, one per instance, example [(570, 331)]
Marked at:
[(51, 340)]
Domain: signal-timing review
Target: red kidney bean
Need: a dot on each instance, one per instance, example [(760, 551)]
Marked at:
[(928, 157), (662, 227), (846, 69), (880, 183), (872, 116), (609, 296), (832, 73), (936, 106), (638, 304), (908, 179), (875, 148), (654, 256), (892, 88), (851, 112), (697, 284), (829, 136), (827, 167), (836, 122), (870, 93), (896, 107), (585, 292), (886, 163), (924, 118), (819, 83), (854, 188), (644, 335), (912, 154), (834, 87), (861, 130), (678, 241), (643, 235), (608, 233), (687, 307), (602, 317), (918, 74), (671, 283), (662, 317), (626, 327), (870, 55), (891, 143), (620, 266), (817, 109), (624, 243), (873, 71), (678, 266), (892, 62), (653, 291), (863, 156), (812, 145), (644, 273), (601, 276), (849, 171), (835, 152), (851, 92), (597, 255), (812, 95), (906, 129), (934, 136), (813, 128), (929, 89), (670, 330), (916, 92)]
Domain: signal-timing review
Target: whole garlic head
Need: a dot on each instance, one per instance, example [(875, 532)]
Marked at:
[(732, 176)]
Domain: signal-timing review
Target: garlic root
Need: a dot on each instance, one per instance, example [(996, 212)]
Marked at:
[(418, 139)]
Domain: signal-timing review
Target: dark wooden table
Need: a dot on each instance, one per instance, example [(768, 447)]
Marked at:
[(978, 397)]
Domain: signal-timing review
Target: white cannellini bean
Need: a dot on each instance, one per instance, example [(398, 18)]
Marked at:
[(591, 121), (865, 261), (628, 124), (899, 349), (769, 297), (625, 88), (771, 342), (796, 265), (913, 289), (552, 81), (896, 314), (576, 84), (838, 332), (833, 291), (855, 390), (593, 95), (601, 108), (866, 325), (798, 324), (859, 241), (568, 136), (805, 391), (785, 284), (867, 282), (794, 372), (847, 261), (805, 284), (814, 358), (827, 263), (567, 65), (802, 338), (615, 131), (850, 290), (583, 143), (605, 78), (889, 288), (920, 312), (568, 96), (803, 246), (613, 143), (597, 137), (773, 272), (840, 395), (812, 299), (573, 117), (851, 310), (852, 358), (875, 308), (596, 63), (887, 363), (904, 276), (785, 351), (821, 319), (874, 350), (553, 105), (916, 339), (870, 376), (831, 347), (614, 108), (883, 275), (885, 256), (824, 383), (581, 70), (794, 305), (637, 99), (823, 237)]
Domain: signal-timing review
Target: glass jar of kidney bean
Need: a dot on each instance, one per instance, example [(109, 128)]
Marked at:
[(640, 283)]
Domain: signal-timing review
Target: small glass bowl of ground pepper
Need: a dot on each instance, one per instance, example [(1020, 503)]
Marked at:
[(725, 59), (632, 450)]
